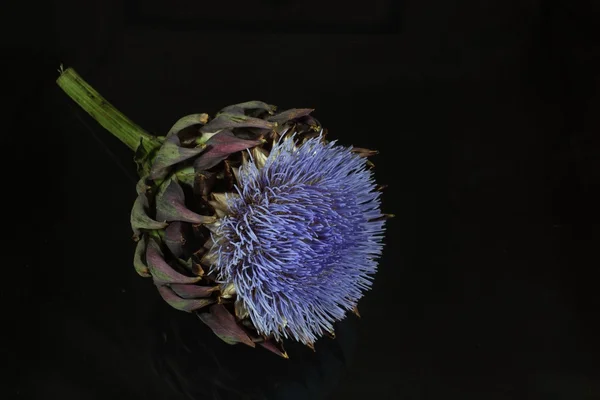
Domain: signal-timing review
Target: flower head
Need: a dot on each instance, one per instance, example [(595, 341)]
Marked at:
[(301, 241)]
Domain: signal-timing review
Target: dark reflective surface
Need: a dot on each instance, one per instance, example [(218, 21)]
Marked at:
[(177, 345), (484, 116)]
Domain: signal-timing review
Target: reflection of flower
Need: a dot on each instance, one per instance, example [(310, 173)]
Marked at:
[(301, 240)]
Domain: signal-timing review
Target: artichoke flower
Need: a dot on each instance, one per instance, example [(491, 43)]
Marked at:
[(252, 220)]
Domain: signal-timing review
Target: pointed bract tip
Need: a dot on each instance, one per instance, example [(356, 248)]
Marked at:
[(383, 217)]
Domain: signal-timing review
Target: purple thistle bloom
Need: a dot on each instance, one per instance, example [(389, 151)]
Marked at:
[(301, 241)]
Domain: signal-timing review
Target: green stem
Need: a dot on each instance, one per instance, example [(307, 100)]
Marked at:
[(101, 110)]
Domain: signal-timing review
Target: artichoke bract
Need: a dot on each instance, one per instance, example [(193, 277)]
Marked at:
[(254, 221)]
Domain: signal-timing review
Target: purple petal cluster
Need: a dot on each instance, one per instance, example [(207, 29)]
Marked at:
[(302, 239)]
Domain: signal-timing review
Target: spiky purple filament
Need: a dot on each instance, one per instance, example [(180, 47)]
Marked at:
[(300, 244)]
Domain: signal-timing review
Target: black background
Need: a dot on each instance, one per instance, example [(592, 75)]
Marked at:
[(487, 118)]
